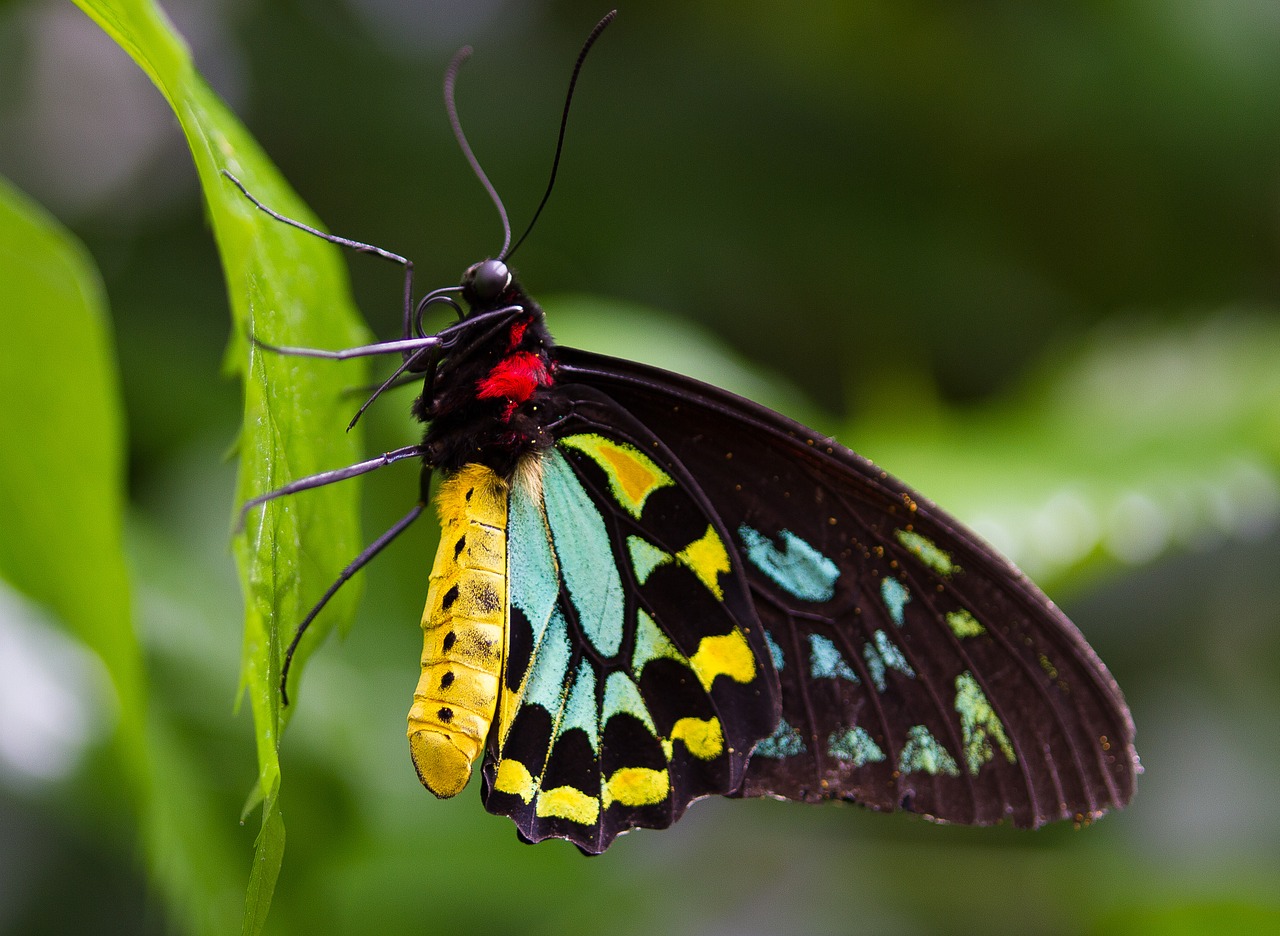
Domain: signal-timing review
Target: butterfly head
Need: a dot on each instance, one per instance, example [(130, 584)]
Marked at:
[(486, 284)]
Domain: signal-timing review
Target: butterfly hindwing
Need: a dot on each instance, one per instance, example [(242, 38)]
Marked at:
[(919, 670), (637, 675)]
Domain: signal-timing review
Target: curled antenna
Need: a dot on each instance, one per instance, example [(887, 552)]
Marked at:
[(450, 79), (564, 122)]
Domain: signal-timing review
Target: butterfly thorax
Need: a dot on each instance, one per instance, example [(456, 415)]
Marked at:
[(489, 402)]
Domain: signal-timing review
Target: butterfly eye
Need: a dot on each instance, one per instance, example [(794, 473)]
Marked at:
[(487, 280)]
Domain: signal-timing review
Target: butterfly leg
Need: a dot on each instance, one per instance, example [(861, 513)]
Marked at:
[(330, 477), (395, 383), (410, 347), (356, 564), (355, 245), (423, 360)]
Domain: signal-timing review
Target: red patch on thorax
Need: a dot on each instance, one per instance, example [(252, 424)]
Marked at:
[(517, 333), (514, 379)]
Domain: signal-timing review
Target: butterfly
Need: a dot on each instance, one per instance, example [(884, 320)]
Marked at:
[(649, 590)]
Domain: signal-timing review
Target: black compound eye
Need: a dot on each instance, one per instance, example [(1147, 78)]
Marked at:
[(488, 279)]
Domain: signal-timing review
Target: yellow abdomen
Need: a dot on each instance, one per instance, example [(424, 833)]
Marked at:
[(464, 631)]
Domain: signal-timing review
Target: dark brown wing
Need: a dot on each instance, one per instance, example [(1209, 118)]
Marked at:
[(919, 669)]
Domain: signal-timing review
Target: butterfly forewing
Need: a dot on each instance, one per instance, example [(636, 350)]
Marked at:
[(919, 670), (637, 675)]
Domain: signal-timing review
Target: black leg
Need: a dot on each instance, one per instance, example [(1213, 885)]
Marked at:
[(356, 565), (355, 245), (399, 346), (329, 477), (404, 380), (410, 348), (390, 382)]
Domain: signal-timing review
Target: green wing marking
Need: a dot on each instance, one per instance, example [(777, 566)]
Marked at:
[(980, 725)]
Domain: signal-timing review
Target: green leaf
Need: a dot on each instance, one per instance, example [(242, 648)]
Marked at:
[(285, 287), (62, 494), (62, 497), (62, 468), (268, 856)]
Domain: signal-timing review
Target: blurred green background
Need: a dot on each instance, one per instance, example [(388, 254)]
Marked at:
[(1024, 257)]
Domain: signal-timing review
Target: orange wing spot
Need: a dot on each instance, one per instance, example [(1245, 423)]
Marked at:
[(633, 476)]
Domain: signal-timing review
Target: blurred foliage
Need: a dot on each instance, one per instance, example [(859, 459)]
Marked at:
[(1023, 257)]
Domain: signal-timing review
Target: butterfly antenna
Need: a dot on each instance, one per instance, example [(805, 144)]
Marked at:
[(450, 79), (564, 122)]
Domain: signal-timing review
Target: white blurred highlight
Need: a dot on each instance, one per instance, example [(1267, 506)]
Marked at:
[(55, 696)]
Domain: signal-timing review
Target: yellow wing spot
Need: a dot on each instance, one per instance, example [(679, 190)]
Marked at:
[(707, 559), (633, 476), (567, 803), (702, 736), (637, 786), (726, 655), (1047, 665), (514, 778)]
